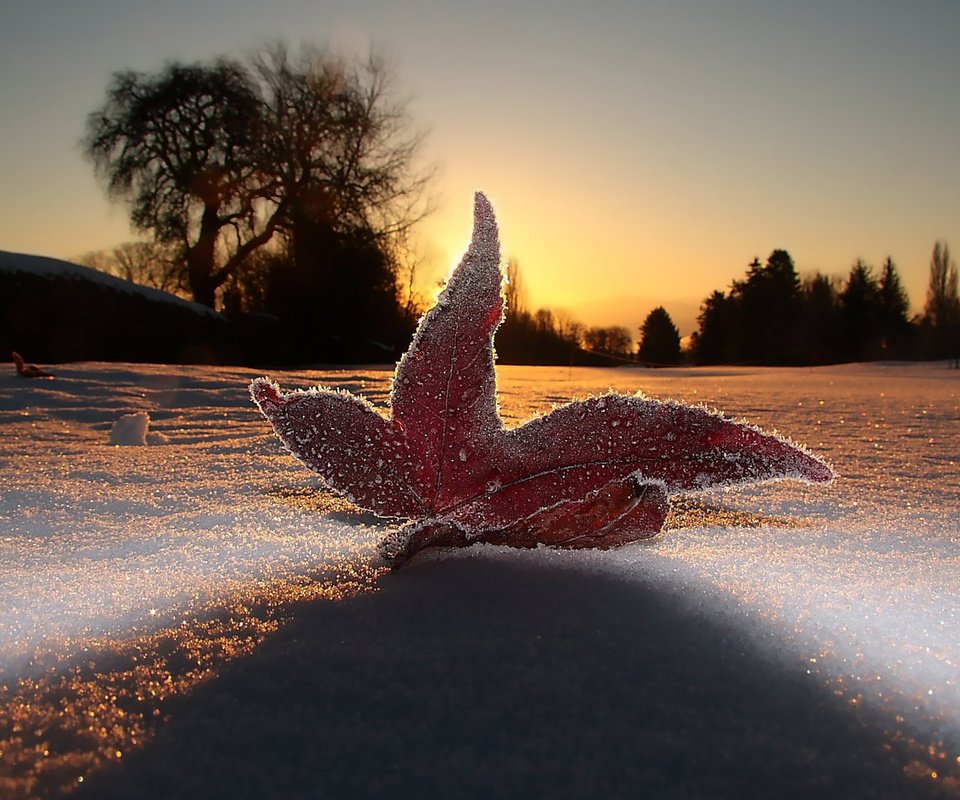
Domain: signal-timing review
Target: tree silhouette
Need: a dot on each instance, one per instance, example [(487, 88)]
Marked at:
[(543, 337), (145, 263), (941, 313), (180, 147), (942, 286), (714, 342), (219, 157), (770, 317), (343, 159), (860, 305), (894, 312), (613, 340), (659, 338), (820, 326), (768, 307), (513, 288)]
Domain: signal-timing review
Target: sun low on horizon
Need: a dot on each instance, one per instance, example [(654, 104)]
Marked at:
[(636, 156), (451, 399)]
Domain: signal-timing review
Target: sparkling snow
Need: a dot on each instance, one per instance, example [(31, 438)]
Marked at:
[(105, 548)]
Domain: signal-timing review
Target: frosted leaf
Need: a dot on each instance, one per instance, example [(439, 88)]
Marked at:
[(611, 459)]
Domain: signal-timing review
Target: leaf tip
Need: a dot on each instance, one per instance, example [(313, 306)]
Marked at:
[(484, 222), (819, 471), (481, 205), (265, 393)]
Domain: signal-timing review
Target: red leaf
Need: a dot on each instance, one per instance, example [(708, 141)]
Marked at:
[(358, 452), (617, 513), (686, 447), (444, 394), (595, 473)]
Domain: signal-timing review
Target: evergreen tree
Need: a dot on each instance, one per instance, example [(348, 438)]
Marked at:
[(894, 313), (820, 327), (659, 338), (714, 342), (768, 306), (770, 317), (860, 306)]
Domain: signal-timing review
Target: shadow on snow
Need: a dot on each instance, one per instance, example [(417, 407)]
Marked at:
[(479, 677)]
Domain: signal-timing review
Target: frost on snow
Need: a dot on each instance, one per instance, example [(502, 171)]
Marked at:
[(854, 585), (594, 473)]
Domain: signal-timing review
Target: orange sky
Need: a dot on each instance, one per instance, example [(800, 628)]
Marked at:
[(636, 154)]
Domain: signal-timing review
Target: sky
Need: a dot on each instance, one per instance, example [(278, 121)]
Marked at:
[(637, 153)]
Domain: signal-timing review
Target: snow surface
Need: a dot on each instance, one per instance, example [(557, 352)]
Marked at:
[(855, 587), (132, 430)]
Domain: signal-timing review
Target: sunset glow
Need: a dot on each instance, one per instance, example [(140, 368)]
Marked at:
[(636, 155)]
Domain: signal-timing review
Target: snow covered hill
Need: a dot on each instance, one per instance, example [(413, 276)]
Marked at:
[(52, 310), (55, 268)]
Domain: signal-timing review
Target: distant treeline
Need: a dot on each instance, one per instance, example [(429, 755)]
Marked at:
[(548, 337), (772, 316)]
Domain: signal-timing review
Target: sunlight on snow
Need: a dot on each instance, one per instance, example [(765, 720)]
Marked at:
[(129, 574)]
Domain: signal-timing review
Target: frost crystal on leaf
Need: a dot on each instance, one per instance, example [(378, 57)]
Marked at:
[(594, 473)]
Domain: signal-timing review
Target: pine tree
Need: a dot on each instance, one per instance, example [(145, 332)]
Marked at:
[(714, 343), (768, 305), (860, 306), (659, 338), (894, 311), (820, 329)]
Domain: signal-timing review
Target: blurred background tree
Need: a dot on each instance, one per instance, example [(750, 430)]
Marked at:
[(179, 148), (152, 264), (940, 323), (768, 302), (612, 340), (347, 188), (659, 339), (309, 154), (820, 328), (714, 340), (860, 309), (772, 317), (894, 311)]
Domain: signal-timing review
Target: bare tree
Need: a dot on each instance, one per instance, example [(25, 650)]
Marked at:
[(941, 314), (179, 148), (152, 264), (613, 340), (942, 301), (516, 299), (544, 320), (340, 147), (570, 329), (218, 157)]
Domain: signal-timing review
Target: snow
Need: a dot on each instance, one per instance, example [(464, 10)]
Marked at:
[(216, 564), (54, 267), (134, 430)]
